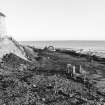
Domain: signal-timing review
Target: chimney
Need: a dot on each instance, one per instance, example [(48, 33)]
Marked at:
[(2, 25)]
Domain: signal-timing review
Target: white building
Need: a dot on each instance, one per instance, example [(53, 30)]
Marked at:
[(2, 25)]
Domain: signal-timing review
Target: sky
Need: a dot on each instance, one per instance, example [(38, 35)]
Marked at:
[(32, 20)]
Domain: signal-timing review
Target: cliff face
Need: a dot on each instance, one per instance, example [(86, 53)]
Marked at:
[(9, 45)]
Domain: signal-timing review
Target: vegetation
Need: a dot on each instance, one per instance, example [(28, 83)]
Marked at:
[(44, 80)]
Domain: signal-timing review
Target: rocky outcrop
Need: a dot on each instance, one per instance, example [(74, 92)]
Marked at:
[(9, 45)]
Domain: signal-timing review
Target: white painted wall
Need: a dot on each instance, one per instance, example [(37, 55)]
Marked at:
[(2, 26)]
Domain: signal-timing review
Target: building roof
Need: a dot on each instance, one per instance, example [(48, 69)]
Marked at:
[(1, 14)]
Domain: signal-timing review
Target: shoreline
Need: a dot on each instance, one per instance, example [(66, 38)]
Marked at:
[(96, 56)]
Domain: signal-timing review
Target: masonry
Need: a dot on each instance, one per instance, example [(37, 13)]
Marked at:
[(2, 25)]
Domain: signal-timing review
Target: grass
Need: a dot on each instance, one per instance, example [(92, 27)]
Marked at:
[(44, 82)]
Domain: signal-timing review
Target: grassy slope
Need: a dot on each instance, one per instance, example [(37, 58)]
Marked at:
[(47, 83)]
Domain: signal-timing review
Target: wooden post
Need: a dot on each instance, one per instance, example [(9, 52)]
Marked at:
[(73, 69), (80, 70), (73, 72), (68, 68)]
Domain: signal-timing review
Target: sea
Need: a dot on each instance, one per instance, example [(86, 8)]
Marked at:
[(68, 44)]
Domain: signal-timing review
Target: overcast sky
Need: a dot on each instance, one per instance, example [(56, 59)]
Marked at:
[(55, 19)]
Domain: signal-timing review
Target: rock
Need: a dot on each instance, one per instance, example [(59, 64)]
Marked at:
[(9, 45)]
